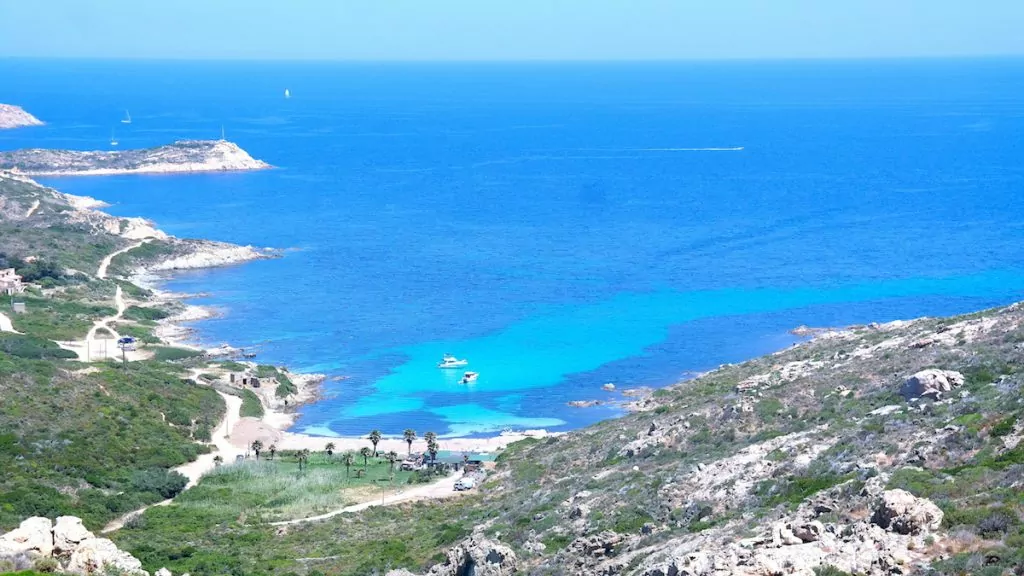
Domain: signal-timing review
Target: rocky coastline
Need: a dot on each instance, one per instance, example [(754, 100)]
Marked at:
[(183, 156), (16, 117)]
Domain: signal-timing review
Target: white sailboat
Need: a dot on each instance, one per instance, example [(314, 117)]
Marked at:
[(127, 118), (287, 93), (113, 140)]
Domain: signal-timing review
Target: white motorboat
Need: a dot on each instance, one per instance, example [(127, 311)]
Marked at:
[(469, 377), (450, 361), (127, 118)]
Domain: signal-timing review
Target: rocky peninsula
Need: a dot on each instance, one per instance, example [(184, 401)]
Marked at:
[(15, 117), (181, 156)]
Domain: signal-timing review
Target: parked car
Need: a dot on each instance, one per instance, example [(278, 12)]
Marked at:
[(465, 483)]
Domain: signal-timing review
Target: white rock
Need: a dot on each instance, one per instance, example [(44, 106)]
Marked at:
[(32, 536), (97, 554), (68, 531), (901, 512), (163, 572)]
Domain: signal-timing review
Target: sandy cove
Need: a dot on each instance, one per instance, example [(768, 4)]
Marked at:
[(272, 428)]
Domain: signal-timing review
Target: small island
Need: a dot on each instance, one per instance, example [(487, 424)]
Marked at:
[(15, 117), (181, 156)]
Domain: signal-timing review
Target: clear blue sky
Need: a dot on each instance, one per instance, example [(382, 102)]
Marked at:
[(510, 29)]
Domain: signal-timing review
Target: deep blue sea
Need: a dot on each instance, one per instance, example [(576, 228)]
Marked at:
[(560, 225)]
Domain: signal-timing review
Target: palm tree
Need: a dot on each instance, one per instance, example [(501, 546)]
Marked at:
[(409, 436), (218, 460), (272, 450), (432, 448), (430, 437), (365, 453), (303, 458), (329, 448), (374, 439), (392, 457), (348, 460), (257, 446)]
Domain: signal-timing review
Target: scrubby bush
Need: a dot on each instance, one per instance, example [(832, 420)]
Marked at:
[(166, 483)]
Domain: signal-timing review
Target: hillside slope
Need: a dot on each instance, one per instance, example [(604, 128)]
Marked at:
[(828, 457)]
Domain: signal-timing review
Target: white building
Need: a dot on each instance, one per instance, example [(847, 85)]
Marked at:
[(10, 283)]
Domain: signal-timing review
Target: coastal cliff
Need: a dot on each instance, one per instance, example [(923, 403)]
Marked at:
[(15, 117), (181, 156), (39, 221)]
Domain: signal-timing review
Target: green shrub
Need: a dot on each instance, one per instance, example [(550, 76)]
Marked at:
[(1005, 426), (25, 346), (145, 313), (171, 354), (166, 483)]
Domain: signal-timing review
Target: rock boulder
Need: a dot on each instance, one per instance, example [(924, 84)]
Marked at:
[(68, 532), (901, 512), (478, 556), (94, 555), (931, 383), (33, 536)]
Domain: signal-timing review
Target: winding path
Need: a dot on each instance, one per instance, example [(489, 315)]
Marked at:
[(84, 348), (32, 209), (443, 488), (195, 469), (5, 324), (101, 272)]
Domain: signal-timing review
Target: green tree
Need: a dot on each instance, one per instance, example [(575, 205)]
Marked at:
[(365, 453), (257, 446), (392, 457), (430, 437), (303, 457), (329, 448), (410, 436), (432, 448), (374, 439), (348, 460), (272, 450)]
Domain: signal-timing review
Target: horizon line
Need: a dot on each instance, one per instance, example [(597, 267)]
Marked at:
[(685, 60)]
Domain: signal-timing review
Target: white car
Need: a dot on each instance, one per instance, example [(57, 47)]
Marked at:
[(465, 484)]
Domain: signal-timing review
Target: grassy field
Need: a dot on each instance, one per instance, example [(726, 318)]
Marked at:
[(59, 317), (277, 490)]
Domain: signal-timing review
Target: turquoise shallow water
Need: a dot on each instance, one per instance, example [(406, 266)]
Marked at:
[(543, 350), (561, 226)]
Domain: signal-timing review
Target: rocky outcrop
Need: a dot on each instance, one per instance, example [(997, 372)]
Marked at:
[(181, 156), (15, 117), (33, 536), (901, 512), (68, 533), (68, 543), (99, 554), (192, 254), (478, 556), (931, 383)]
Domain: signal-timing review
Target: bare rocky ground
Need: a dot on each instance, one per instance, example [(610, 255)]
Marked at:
[(881, 449)]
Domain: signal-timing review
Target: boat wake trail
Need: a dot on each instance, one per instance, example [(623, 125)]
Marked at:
[(729, 149)]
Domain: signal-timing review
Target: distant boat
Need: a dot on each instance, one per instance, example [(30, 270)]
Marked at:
[(450, 361), (287, 94), (113, 140), (127, 118), (469, 377)]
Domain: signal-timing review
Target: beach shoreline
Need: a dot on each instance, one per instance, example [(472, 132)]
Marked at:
[(274, 427)]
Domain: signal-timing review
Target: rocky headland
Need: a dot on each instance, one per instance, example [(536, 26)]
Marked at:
[(181, 156), (15, 117)]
